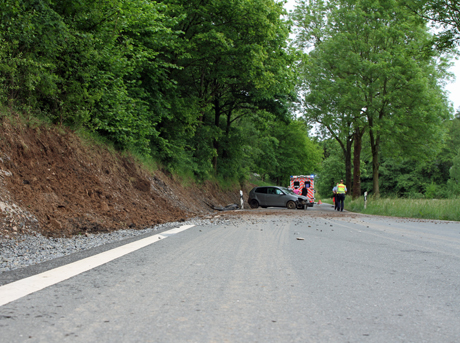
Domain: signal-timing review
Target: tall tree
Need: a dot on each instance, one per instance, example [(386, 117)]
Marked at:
[(442, 14), (329, 101), (330, 98), (236, 59), (376, 53)]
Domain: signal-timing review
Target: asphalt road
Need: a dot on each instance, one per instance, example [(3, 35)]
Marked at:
[(351, 278)]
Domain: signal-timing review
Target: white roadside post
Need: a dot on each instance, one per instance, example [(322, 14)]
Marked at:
[(241, 198), (365, 200)]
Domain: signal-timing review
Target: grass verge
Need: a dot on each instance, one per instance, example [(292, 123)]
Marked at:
[(442, 209)]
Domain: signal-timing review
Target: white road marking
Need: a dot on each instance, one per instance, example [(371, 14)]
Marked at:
[(18, 289)]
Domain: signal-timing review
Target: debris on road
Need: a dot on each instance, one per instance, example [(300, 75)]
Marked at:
[(230, 207)]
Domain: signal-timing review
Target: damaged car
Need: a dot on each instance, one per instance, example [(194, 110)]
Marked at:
[(274, 196)]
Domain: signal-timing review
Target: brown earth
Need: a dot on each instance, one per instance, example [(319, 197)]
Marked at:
[(53, 183)]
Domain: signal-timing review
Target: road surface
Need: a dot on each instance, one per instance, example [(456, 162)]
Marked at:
[(270, 275)]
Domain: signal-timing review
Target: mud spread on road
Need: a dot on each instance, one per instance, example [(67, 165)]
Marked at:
[(318, 211)]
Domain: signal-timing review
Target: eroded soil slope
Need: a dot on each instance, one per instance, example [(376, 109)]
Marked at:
[(53, 183)]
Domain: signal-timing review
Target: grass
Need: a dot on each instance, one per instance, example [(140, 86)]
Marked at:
[(442, 209)]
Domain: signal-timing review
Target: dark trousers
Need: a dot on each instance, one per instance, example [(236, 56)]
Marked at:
[(335, 201), (339, 199)]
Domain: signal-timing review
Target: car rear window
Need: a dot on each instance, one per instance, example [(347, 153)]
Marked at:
[(261, 190)]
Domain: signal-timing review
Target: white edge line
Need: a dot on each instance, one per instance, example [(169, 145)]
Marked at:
[(18, 289)]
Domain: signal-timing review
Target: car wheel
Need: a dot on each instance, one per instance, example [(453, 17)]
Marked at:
[(291, 205), (254, 203)]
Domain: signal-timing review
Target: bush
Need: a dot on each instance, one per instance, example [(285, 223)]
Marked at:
[(430, 192)]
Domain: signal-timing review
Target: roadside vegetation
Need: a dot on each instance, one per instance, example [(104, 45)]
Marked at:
[(202, 88), (217, 90), (442, 209), (437, 209), (373, 85)]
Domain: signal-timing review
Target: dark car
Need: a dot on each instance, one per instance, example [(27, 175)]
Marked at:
[(274, 196)]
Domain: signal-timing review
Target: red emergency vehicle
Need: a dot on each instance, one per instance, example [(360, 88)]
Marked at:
[(299, 181)]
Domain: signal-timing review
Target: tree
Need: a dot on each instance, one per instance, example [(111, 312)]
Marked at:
[(332, 168), (235, 62), (88, 63), (329, 102), (178, 80), (329, 92), (296, 153), (278, 149), (371, 55), (444, 15)]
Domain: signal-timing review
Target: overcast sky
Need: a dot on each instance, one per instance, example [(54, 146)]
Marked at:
[(453, 88)]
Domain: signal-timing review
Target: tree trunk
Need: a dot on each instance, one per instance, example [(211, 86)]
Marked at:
[(348, 164), (357, 163), (375, 163), (215, 143), (227, 132)]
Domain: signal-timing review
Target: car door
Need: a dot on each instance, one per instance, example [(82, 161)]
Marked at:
[(275, 197), (261, 195)]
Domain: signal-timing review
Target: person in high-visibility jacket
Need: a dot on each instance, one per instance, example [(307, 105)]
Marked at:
[(341, 191), (334, 198)]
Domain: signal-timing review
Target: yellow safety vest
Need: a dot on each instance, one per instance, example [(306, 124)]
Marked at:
[(341, 188)]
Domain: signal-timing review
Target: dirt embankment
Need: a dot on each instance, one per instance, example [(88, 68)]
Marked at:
[(54, 184)]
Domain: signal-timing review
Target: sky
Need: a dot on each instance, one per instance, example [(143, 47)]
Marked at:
[(453, 88)]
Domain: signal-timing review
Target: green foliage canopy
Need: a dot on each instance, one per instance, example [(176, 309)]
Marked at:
[(369, 71), (177, 80)]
